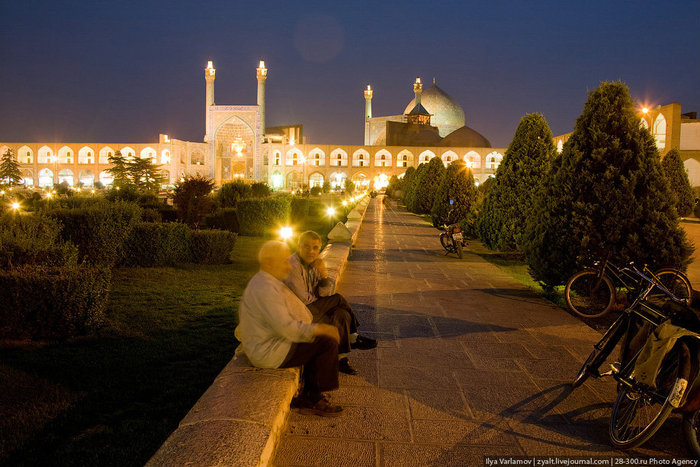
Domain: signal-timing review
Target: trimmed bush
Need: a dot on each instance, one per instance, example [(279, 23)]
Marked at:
[(150, 245), (230, 193), (193, 199), (457, 186), (167, 213), (677, 177), (260, 190), (212, 246), (223, 219), (509, 202), (151, 215), (99, 231), (33, 239), (258, 216), (41, 302)]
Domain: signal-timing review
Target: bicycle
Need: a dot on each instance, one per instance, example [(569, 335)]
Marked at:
[(590, 293), (639, 410)]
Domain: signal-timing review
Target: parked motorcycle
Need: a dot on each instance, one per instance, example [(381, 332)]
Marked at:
[(452, 239)]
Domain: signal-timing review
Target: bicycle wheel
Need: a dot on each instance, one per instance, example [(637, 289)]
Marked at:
[(691, 429), (675, 281), (445, 242), (460, 253), (640, 412), (601, 351), (588, 296)]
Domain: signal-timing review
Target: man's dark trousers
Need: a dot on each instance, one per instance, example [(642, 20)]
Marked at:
[(335, 310), (320, 361)]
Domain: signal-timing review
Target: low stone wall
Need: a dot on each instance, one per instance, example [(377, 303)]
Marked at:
[(238, 420)]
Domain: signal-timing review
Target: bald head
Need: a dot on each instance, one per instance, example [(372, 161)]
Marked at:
[(274, 259)]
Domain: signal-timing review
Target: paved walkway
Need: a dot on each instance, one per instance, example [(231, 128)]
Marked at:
[(470, 364)]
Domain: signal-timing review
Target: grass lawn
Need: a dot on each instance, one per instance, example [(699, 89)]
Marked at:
[(114, 398)]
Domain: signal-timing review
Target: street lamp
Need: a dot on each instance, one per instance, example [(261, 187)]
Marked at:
[(331, 212), (286, 233)]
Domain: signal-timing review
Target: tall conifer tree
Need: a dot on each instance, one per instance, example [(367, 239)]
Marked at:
[(429, 182), (678, 180), (509, 201), (457, 185), (9, 169), (605, 193), (412, 184)]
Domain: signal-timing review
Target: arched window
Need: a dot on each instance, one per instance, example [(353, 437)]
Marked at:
[(425, 156), (449, 156), (45, 178), (105, 153), (493, 160), (149, 153), (278, 160), (339, 158), (106, 178), (473, 159), (85, 155), (317, 157), (404, 158), (86, 177), (25, 155), (660, 132), (128, 153), (65, 156), (316, 179), (382, 158), (360, 158), (165, 156), (46, 156), (294, 157), (66, 175)]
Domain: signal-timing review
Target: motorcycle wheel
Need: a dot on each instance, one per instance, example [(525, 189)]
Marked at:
[(446, 242)]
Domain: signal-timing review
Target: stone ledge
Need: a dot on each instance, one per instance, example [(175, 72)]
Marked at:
[(239, 419)]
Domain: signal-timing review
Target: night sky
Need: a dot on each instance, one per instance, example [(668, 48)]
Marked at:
[(124, 71)]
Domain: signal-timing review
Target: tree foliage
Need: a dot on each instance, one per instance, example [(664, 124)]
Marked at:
[(9, 169), (605, 193), (678, 180), (349, 186), (141, 174), (230, 193), (429, 183), (508, 203), (457, 186), (193, 200), (411, 183)]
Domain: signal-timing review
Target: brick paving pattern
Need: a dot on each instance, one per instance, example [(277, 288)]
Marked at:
[(470, 363)]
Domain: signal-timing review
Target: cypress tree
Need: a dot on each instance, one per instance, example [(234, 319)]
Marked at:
[(678, 180), (509, 201), (605, 193), (412, 187), (9, 169), (457, 185), (429, 182)]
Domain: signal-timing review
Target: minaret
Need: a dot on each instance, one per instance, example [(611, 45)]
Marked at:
[(209, 76), (418, 89), (262, 76), (368, 113)]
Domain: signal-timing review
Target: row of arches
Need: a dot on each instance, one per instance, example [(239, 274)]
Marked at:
[(88, 155), (382, 158), (47, 177)]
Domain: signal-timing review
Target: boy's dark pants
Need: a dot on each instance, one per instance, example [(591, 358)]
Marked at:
[(335, 310)]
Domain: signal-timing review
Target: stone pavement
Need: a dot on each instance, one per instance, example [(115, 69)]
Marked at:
[(470, 364)]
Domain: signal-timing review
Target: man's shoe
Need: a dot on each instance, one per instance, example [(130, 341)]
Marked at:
[(363, 343), (322, 408), (345, 367)]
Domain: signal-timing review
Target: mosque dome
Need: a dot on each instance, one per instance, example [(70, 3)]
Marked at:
[(446, 113), (465, 137)]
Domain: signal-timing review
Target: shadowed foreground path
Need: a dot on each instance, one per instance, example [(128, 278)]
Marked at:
[(470, 363)]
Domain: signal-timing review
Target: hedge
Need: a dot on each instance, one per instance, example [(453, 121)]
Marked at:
[(150, 244), (258, 216), (33, 239), (223, 219), (99, 231), (52, 303), (212, 246)]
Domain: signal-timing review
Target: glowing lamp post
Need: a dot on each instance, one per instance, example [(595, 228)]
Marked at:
[(331, 213), (286, 233)]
